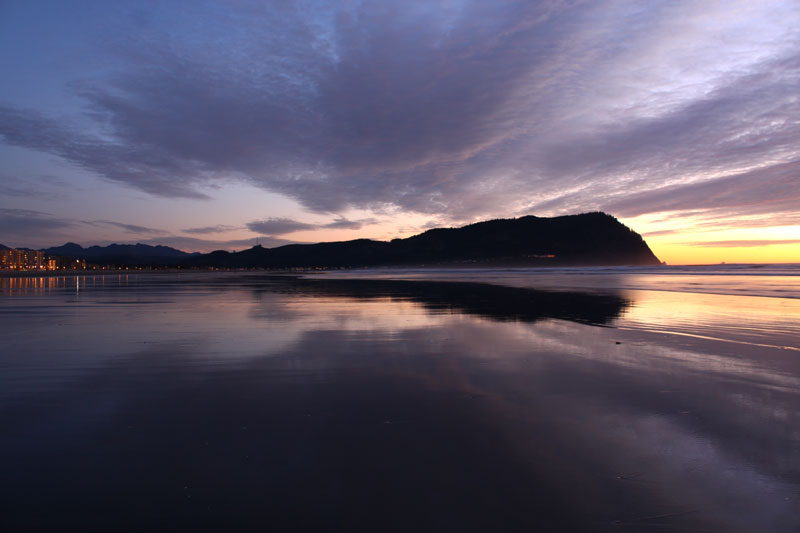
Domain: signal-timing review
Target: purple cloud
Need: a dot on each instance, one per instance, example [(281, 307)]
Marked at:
[(343, 223), (278, 226), (128, 228), (219, 228)]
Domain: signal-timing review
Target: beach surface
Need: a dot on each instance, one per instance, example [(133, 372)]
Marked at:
[(428, 400)]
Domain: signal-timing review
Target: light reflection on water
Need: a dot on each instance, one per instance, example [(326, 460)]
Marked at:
[(748, 320), (780, 281), (249, 401)]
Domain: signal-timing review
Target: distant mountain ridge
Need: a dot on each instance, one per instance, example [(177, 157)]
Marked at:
[(122, 254), (574, 240)]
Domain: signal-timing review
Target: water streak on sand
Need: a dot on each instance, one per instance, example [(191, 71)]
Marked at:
[(706, 337)]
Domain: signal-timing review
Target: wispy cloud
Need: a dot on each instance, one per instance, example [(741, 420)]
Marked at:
[(219, 228), (29, 222), (743, 243), (278, 226), (128, 228), (660, 233), (281, 226), (766, 190), (24, 191), (343, 223), (33, 186), (28, 228)]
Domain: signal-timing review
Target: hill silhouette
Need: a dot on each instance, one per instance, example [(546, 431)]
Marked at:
[(586, 239), (122, 254)]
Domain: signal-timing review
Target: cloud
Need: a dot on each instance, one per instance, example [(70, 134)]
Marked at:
[(465, 109), (343, 223), (27, 228), (41, 187), (128, 228), (743, 243), (278, 226), (767, 190), (25, 191), (148, 168), (219, 228), (660, 232), (30, 228), (24, 221)]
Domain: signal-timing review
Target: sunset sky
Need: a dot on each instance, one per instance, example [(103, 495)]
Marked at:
[(204, 125)]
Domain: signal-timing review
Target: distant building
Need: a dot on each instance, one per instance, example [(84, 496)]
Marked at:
[(36, 260), (22, 260), (67, 263)]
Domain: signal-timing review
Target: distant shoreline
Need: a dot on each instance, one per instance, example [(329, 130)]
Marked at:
[(56, 273), (129, 271), (731, 268)]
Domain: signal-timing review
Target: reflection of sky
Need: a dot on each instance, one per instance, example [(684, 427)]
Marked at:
[(749, 320), (702, 430), (782, 281)]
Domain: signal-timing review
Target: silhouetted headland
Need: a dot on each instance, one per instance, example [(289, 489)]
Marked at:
[(576, 240)]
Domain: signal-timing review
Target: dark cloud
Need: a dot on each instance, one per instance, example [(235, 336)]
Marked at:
[(147, 167), (464, 109), (278, 226)]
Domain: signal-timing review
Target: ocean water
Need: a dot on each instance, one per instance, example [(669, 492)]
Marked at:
[(780, 281), (450, 400)]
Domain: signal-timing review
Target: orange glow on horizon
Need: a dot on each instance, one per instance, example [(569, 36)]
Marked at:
[(692, 240)]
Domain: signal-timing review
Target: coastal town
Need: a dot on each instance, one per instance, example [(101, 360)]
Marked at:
[(26, 259)]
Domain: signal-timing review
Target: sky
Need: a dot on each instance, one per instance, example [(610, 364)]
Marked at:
[(210, 124)]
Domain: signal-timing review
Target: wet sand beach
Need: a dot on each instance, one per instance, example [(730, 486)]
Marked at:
[(368, 402)]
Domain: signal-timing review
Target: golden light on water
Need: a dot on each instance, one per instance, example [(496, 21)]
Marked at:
[(771, 322)]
